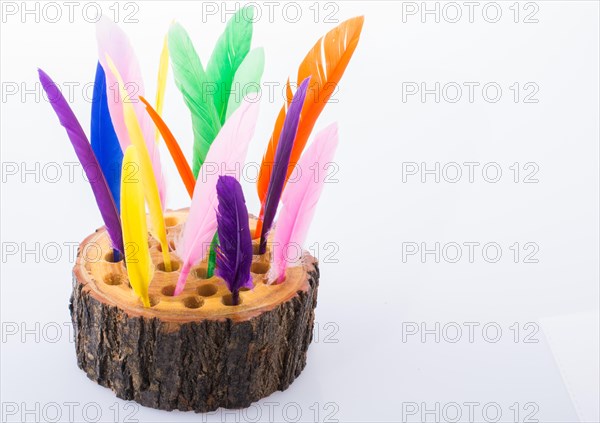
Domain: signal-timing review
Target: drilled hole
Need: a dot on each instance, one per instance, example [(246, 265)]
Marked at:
[(171, 221), (113, 279), (228, 300), (171, 246), (200, 272), (109, 257), (207, 290), (153, 301), (174, 266), (259, 267), (168, 290), (193, 302)]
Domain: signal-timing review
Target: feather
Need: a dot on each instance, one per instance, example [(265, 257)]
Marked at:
[(299, 200), (228, 151), (247, 79), (180, 162), (149, 182), (227, 56), (135, 232), (104, 139), (191, 80), (163, 70), (88, 160), (282, 161), (234, 254), (268, 166), (112, 41), (224, 65), (325, 63)]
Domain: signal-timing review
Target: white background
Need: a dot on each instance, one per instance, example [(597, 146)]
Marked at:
[(359, 367)]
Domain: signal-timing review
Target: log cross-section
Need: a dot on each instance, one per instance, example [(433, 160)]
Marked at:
[(194, 351)]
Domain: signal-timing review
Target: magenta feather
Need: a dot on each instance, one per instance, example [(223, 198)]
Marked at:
[(234, 254), (300, 200), (226, 152), (112, 41), (88, 160), (281, 162)]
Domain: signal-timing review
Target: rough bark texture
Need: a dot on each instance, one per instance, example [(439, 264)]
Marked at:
[(197, 366)]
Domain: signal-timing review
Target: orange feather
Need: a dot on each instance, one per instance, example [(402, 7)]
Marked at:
[(336, 48), (180, 162)]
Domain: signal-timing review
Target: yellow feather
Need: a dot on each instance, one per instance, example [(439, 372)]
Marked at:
[(163, 69), (149, 182), (135, 232)]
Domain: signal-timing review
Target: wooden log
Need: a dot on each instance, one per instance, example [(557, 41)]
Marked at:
[(194, 351)]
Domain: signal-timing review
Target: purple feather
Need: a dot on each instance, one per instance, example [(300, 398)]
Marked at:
[(281, 162), (88, 160), (234, 254)]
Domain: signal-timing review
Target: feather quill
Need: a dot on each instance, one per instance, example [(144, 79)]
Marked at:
[(300, 199), (247, 79), (135, 232), (228, 151), (325, 63), (178, 157), (149, 182), (88, 160), (191, 80), (163, 70), (229, 53), (104, 139), (113, 42), (234, 254), (282, 161)]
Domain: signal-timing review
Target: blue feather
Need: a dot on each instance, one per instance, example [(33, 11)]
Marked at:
[(104, 138), (234, 254)]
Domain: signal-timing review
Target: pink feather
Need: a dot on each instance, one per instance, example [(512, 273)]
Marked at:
[(114, 42), (300, 200), (226, 156)]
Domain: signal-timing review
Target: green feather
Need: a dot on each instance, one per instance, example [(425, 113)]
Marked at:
[(229, 53), (191, 80), (247, 79)]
